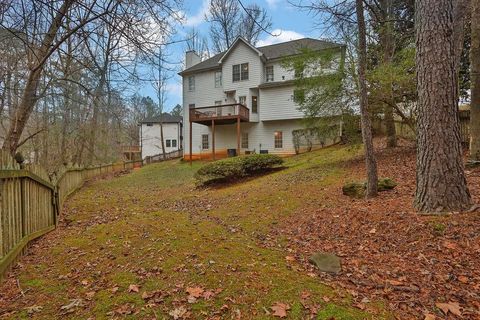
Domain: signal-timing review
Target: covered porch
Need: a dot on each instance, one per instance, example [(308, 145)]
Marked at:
[(211, 116)]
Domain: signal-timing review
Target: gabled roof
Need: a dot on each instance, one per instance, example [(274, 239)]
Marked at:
[(237, 41), (271, 52), (166, 118)]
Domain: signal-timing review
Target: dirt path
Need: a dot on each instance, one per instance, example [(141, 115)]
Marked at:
[(148, 245)]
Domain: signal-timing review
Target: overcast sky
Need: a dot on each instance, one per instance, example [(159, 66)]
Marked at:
[(288, 22)]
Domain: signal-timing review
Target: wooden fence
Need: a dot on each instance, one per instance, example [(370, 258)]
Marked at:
[(168, 156), (31, 201)]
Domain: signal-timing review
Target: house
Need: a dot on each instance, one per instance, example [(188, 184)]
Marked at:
[(242, 100), (150, 142)]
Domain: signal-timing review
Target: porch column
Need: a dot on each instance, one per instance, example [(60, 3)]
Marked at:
[(238, 135), (213, 139), (190, 143)]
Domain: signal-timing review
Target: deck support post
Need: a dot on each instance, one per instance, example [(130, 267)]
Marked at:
[(190, 142), (238, 135), (213, 139)]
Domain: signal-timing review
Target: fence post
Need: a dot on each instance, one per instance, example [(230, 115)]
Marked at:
[(22, 206)]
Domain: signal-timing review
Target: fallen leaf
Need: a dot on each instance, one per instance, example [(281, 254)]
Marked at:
[(463, 279), (290, 258), (33, 309), (133, 288), (429, 316), (372, 231), (74, 303), (452, 307), (450, 245), (280, 309), (114, 289), (178, 313), (195, 292)]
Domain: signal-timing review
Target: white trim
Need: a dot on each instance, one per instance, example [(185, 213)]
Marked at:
[(260, 54)]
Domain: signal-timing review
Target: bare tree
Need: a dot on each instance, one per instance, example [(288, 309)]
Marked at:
[(198, 43), (441, 183), (370, 161), (229, 19)]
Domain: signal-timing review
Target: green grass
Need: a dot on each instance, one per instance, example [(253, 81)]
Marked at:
[(155, 219)]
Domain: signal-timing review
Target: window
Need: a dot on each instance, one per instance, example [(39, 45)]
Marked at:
[(269, 73), (244, 71), (205, 141), (219, 110), (245, 140), (254, 104), (298, 71), (149, 124), (168, 143), (299, 96), (278, 139), (218, 79), (191, 106), (240, 72), (191, 83), (242, 100), (174, 143)]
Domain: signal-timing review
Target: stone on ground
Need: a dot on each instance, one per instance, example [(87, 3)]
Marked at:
[(326, 262)]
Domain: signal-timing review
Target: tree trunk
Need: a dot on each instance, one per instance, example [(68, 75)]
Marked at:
[(475, 83), (441, 183), (370, 160), (387, 44)]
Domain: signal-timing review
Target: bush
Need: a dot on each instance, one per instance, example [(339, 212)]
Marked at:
[(236, 168)]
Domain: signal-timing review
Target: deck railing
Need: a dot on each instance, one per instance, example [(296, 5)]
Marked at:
[(224, 111), (168, 156)]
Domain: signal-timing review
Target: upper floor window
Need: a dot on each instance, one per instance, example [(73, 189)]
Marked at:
[(242, 100), (269, 73), (218, 79), (299, 71), (191, 106), (191, 83), (240, 72), (168, 143), (254, 104)]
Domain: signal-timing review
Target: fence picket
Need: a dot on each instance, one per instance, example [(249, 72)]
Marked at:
[(31, 200)]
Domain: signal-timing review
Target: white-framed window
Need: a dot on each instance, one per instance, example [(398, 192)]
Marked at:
[(254, 104), (242, 100), (218, 110), (205, 144), (191, 83), (245, 140), (191, 106), (174, 143), (240, 72), (269, 77), (168, 143), (278, 139), (218, 79)]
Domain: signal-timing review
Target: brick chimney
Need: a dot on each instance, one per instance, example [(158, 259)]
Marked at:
[(191, 58)]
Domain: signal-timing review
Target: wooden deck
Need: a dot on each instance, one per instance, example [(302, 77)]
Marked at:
[(221, 114)]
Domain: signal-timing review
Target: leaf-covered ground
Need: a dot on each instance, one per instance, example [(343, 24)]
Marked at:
[(149, 245)]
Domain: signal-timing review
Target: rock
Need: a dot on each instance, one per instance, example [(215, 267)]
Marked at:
[(357, 189), (354, 190), (386, 184), (326, 262)]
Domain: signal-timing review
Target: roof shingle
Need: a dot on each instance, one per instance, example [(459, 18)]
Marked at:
[(270, 52)]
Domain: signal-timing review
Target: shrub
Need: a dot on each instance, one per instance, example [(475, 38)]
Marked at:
[(236, 168)]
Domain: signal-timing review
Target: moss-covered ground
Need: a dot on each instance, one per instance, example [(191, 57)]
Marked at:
[(134, 246)]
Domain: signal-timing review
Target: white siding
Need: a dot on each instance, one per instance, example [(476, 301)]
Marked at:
[(277, 104), (279, 72), (151, 142)]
